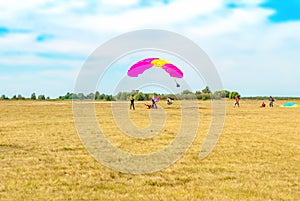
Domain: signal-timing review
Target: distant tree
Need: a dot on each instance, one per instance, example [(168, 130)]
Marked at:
[(108, 98), (186, 92), (20, 97), (155, 94), (68, 96), (41, 97), (81, 96), (97, 95), (73, 96), (3, 97), (91, 96), (233, 94), (206, 90), (206, 96), (147, 96), (123, 95), (102, 96), (198, 95), (33, 96), (139, 97), (226, 92), (133, 92), (221, 94), (48, 98), (14, 97)]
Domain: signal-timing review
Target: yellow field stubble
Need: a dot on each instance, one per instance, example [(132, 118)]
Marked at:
[(42, 158)]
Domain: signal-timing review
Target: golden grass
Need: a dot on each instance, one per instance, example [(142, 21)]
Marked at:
[(42, 158)]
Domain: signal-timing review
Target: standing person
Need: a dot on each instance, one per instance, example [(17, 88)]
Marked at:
[(132, 102), (153, 103), (271, 99), (237, 101)]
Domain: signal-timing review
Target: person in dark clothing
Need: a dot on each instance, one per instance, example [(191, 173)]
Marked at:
[(271, 99), (154, 103), (132, 103)]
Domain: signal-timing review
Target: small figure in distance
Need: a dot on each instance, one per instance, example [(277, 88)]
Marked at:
[(237, 101), (132, 102), (170, 100), (271, 99), (263, 105), (154, 103), (148, 106)]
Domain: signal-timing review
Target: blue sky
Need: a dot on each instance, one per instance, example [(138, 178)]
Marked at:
[(254, 44)]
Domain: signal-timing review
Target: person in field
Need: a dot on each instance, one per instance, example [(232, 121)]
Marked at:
[(132, 103), (263, 105), (271, 103), (170, 100), (148, 106), (237, 101), (154, 103)]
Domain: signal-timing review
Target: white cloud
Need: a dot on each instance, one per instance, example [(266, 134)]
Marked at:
[(119, 3), (240, 41)]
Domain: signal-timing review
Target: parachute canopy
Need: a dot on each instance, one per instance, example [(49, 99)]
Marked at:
[(141, 66), (156, 99), (290, 104)]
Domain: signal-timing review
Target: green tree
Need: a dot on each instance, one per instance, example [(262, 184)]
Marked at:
[(97, 95), (91, 96), (20, 97), (147, 96), (41, 97), (33, 96), (186, 92), (233, 94), (73, 96), (226, 92), (81, 96), (122, 96), (108, 98), (68, 96), (139, 97), (206, 90), (221, 94), (206, 96), (3, 97), (102, 96)]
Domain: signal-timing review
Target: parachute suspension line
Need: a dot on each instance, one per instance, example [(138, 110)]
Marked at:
[(177, 85)]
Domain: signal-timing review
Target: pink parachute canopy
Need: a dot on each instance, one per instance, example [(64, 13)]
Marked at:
[(141, 66)]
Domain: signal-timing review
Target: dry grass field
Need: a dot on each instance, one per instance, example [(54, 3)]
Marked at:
[(42, 158)]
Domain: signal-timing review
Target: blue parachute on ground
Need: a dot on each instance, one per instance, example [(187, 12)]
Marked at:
[(290, 104)]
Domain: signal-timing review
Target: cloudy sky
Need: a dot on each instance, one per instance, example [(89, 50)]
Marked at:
[(254, 44)]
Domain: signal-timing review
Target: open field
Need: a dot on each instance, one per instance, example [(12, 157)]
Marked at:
[(256, 158)]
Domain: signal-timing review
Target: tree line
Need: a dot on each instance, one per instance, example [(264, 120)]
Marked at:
[(20, 97), (204, 94)]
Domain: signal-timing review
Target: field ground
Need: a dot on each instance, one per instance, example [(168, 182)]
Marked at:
[(42, 158)]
